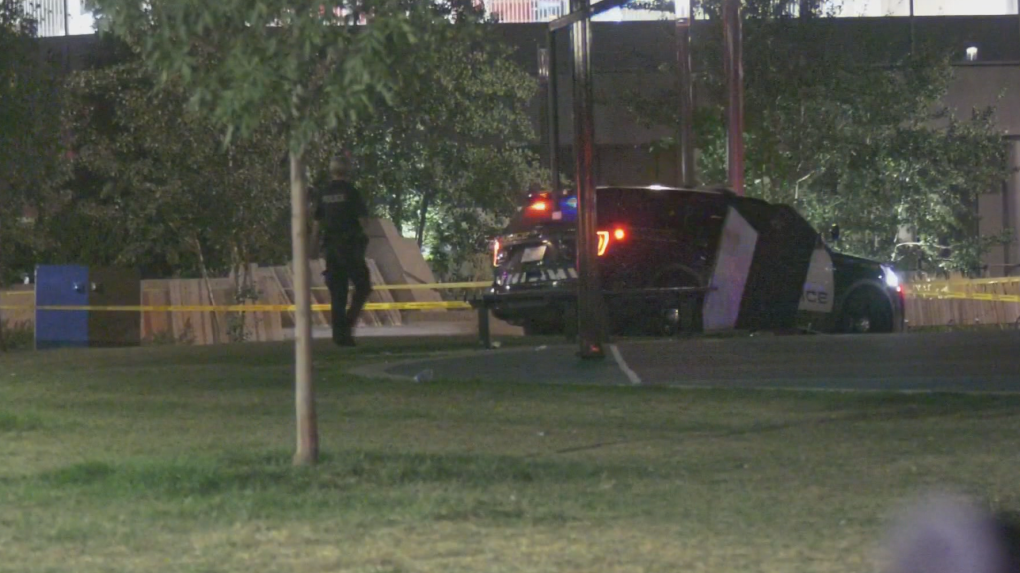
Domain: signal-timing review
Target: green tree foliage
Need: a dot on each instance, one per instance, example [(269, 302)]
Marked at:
[(435, 112), (151, 175), (154, 185), (312, 68), (447, 160), (316, 67), (30, 136), (848, 134)]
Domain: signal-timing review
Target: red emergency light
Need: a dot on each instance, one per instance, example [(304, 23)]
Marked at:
[(540, 206)]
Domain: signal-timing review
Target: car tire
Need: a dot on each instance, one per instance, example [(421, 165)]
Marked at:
[(866, 312), (671, 319)]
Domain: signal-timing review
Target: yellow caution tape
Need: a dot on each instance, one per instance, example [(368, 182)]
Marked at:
[(428, 286), (435, 286), (448, 305), (966, 296)]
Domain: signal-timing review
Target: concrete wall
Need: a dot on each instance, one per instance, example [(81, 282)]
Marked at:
[(996, 85), (1001, 210), (979, 86), (1012, 210)]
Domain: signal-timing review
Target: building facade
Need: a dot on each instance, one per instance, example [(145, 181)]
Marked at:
[(536, 11), (51, 16)]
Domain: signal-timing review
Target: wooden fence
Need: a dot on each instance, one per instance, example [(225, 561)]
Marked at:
[(18, 296), (272, 286), (958, 302), (954, 302)]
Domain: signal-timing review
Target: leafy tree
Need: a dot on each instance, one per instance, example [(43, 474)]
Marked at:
[(314, 69), (848, 135), (30, 137), (447, 159), (154, 186)]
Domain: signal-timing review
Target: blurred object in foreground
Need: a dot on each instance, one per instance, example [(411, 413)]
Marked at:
[(946, 533)]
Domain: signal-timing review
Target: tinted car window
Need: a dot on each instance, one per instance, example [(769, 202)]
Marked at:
[(691, 213)]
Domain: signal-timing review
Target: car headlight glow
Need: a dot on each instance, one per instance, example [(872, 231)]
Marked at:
[(892, 280)]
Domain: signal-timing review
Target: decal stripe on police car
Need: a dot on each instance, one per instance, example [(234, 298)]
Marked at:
[(732, 265), (819, 290)]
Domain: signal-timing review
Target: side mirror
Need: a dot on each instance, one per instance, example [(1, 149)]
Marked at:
[(834, 233)]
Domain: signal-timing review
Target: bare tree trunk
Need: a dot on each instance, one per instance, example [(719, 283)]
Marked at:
[(419, 234), (397, 211), (304, 397), (3, 341)]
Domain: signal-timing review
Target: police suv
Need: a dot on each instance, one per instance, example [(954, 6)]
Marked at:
[(696, 260)]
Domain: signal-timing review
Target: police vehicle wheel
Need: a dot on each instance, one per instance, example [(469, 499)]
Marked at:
[(677, 315), (866, 313)]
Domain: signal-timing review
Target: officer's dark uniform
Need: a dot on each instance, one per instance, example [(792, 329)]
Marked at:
[(338, 207)]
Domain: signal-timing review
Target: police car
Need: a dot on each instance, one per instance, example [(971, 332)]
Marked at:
[(696, 260)]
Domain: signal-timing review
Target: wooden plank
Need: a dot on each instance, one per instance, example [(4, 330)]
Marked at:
[(194, 296), (155, 323), (318, 282), (389, 317), (177, 319), (270, 294), (283, 278), (19, 295)]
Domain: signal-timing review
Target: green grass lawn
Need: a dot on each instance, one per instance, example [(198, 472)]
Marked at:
[(178, 459)]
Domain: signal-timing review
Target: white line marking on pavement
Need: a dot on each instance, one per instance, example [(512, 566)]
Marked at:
[(630, 374)]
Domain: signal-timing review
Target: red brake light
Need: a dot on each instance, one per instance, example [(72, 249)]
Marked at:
[(618, 234)]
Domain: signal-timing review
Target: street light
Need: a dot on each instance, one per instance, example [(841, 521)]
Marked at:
[(591, 326), (685, 132)]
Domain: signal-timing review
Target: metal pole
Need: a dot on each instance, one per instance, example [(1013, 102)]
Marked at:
[(554, 114), (735, 82), (685, 135), (590, 307), (3, 343), (544, 116), (67, 20)]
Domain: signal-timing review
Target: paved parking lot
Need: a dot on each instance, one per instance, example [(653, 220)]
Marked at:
[(961, 361)]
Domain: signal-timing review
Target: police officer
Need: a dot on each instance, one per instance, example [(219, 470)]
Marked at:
[(338, 208)]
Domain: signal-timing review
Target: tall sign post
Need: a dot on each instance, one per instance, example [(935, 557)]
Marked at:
[(590, 306), (733, 61), (546, 94), (591, 311), (685, 133), (548, 75)]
